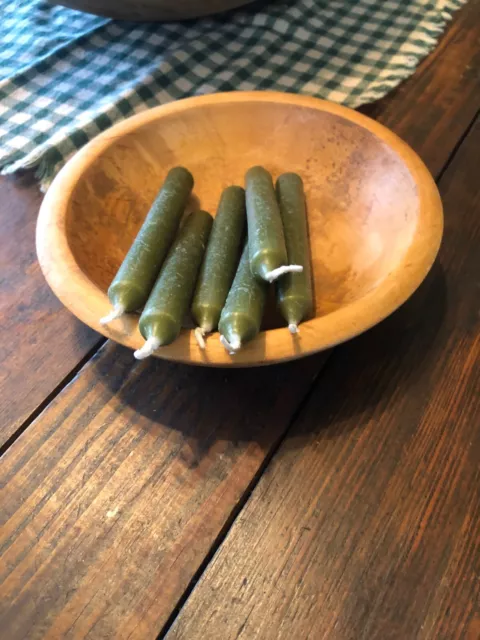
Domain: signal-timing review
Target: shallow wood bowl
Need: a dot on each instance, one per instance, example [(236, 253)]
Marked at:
[(166, 10), (374, 212)]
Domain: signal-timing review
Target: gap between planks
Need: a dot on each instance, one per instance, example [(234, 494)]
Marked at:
[(51, 396)]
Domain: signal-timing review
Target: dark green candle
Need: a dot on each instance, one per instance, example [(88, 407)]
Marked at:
[(294, 290), (242, 315), (220, 261), (268, 252), (135, 278), (161, 320)]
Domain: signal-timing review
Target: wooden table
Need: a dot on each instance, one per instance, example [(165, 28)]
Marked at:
[(336, 497)]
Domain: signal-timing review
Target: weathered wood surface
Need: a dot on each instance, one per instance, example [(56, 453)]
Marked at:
[(114, 496), (40, 341), (367, 521)]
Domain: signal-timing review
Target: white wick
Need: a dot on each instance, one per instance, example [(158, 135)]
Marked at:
[(150, 346), (199, 337), (293, 328), (280, 271), (117, 311), (233, 346)]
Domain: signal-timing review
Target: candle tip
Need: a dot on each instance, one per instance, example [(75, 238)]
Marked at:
[(280, 271), (199, 337), (150, 346), (233, 346), (235, 343), (117, 311)]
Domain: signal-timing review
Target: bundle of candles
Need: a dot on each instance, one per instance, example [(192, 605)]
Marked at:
[(208, 265)]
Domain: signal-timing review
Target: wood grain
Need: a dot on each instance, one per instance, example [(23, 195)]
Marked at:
[(114, 496), (40, 341), (366, 524)]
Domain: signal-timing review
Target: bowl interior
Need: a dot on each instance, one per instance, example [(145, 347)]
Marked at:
[(363, 206)]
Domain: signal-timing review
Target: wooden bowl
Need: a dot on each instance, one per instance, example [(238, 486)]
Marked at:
[(165, 10), (374, 212)]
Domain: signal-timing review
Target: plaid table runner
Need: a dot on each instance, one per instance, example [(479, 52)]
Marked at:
[(65, 75)]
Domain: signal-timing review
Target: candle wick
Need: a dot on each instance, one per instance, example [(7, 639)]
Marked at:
[(232, 347), (199, 337), (293, 328), (150, 346), (117, 311), (280, 271)]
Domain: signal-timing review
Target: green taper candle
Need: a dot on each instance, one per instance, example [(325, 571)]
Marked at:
[(220, 262), (268, 252), (243, 311), (294, 290), (136, 276), (161, 320)]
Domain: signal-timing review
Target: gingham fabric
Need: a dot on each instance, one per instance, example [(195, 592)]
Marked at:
[(65, 75)]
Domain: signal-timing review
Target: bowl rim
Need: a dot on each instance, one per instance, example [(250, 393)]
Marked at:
[(86, 301)]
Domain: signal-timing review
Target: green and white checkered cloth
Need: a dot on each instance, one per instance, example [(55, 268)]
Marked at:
[(65, 75)]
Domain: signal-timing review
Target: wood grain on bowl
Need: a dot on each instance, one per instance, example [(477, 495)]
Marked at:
[(374, 213)]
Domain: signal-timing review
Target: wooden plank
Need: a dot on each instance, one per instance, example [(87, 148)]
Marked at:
[(440, 100), (114, 496), (366, 524), (40, 342)]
